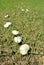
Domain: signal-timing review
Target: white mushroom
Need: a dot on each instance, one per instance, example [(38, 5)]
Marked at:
[(7, 24), (22, 9), (15, 32), (18, 39), (24, 49), (27, 10), (6, 16)]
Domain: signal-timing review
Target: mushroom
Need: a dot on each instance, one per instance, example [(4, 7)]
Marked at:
[(24, 49), (22, 9), (15, 32), (7, 24), (6, 16), (18, 39), (27, 10)]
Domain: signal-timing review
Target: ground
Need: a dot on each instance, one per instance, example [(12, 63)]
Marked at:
[(29, 24)]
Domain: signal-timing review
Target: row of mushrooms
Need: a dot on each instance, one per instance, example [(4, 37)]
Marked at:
[(24, 48)]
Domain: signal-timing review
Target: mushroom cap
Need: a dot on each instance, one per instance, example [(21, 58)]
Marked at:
[(24, 49), (6, 16), (7, 24), (18, 39), (15, 32), (22, 9), (27, 10)]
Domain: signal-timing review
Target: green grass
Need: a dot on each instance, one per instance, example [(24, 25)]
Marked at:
[(31, 26)]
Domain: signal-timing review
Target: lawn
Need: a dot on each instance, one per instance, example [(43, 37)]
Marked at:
[(31, 26)]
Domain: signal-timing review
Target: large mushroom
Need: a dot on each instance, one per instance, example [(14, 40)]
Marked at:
[(24, 49)]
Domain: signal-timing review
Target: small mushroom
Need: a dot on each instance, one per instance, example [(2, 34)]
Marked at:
[(18, 39), (15, 32), (7, 24), (24, 49), (6, 16), (27, 10), (22, 9)]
